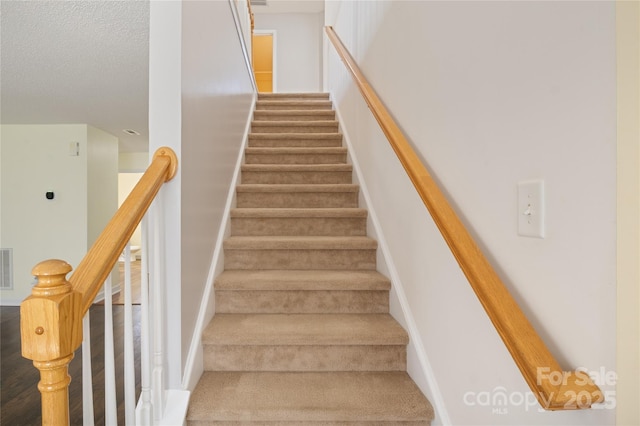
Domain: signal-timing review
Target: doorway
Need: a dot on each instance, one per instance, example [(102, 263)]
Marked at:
[(263, 54)]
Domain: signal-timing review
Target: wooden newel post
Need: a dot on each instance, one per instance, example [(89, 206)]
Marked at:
[(51, 329)]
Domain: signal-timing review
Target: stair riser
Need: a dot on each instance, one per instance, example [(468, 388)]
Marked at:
[(282, 177), (297, 199), (363, 259), (307, 226), (298, 423), (310, 128), (295, 158), (302, 302), (305, 358), (292, 96), (300, 106), (294, 143), (284, 116)]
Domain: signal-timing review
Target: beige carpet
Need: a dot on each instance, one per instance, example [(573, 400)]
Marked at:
[(302, 332)]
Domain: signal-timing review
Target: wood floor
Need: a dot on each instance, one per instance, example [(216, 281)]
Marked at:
[(19, 397)]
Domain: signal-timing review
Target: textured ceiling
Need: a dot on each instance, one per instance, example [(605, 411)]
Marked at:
[(76, 62), (72, 62)]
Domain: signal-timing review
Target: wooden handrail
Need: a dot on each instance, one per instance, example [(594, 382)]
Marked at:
[(51, 318), (103, 255), (554, 388)]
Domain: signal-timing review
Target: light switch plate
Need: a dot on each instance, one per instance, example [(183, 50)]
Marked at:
[(74, 149), (531, 208)]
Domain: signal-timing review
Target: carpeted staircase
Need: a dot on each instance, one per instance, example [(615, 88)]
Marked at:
[(302, 332)]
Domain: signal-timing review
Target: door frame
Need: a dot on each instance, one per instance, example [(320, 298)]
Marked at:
[(274, 83)]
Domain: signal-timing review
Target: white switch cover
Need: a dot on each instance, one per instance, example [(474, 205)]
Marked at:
[(74, 149), (531, 208)]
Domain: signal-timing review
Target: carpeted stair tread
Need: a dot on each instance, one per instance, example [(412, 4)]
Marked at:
[(337, 187), (295, 213), (297, 195), (296, 173), (311, 126), (299, 243), (295, 139), (296, 151), (278, 280), (294, 123), (308, 136), (292, 95), (304, 329), (306, 104), (272, 168), (294, 115), (303, 398), (298, 221), (296, 155)]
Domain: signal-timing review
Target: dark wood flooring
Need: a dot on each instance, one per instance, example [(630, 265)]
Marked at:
[(19, 396)]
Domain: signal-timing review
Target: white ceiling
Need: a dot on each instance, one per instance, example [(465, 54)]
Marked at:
[(76, 62), (85, 62)]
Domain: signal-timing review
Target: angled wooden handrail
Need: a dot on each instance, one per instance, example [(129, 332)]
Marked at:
[(51, 318), (103, 255), (554, 388)]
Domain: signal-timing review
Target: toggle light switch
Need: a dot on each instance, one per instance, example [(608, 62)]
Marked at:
[(531, 208)]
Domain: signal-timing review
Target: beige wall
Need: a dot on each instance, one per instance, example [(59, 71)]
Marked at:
[(200, 95), (490, 94), (298, 62), (102, 183), (628, 356), (35, 159)]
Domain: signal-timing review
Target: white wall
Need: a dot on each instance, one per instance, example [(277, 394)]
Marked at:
[(102, 181), (216, 101), (200, 99), (35, 159), (299, 47), (491, 93), (126, 183), (133, 162)]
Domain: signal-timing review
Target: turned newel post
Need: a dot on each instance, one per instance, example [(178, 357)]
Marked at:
[(51, 329)]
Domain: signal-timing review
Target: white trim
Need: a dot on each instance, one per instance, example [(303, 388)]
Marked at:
[(274, 78), (194, 363), (422, 373), (175, 412)]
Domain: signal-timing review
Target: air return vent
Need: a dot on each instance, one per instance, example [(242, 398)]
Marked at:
[(6, 269), (258, 2)]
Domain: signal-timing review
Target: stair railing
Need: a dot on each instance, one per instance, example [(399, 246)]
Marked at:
[(554, 388), (51, 319)]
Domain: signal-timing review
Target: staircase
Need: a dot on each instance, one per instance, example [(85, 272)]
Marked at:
[(302, 332)]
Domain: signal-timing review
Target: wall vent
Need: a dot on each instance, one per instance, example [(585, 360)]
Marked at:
[(6, 269), (258, 2)]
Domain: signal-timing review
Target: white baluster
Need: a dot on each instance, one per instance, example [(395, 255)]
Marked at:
[(144, 415), (129, 367), (157, 290), (110, 405), (87, 376)]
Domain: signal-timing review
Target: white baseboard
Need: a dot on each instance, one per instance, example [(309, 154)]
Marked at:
[(175, 411), (418, 365)]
